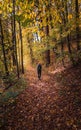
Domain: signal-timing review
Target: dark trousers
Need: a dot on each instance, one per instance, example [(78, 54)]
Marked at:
[(39, 74)]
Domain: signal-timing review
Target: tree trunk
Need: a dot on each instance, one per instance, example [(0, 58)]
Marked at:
[(47, 35), (20, 30), (62, 51), (62, 47), (14, 38), (30, 48), (13, 46), (68, 36), (77, 24), (3, 50), (18, 49), (31, 53), (48, 51)]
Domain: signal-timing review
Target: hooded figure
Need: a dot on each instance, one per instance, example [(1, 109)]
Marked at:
[(39, 69)]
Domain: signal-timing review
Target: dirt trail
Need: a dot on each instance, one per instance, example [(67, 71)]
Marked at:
[(43, 106)]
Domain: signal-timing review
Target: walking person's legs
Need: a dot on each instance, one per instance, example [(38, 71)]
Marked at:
[(39, 74)]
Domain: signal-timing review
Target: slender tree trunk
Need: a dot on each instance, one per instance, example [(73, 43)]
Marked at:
[(62, 51), (22, 64), (62, 47), (68, 36), (47, 35), (31, 50), (68, 44), (15, 44), (77, 24), (19, 53), (48, 51), (31, 53), (3, 49)]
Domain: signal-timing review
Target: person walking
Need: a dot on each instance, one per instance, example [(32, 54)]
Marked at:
[(39, 70)]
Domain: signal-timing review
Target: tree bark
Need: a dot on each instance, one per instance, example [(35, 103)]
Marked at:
[(3, 50), (14, 38), (47, 35), (62, 47), (77, 24), (68, 36), (13, 46), (30, 48), (48, 50), (22, 64)]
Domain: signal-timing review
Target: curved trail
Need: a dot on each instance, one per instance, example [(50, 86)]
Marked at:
[(42, 106)]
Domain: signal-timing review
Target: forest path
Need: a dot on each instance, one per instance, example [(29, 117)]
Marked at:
[(44, 105), (42, 85)]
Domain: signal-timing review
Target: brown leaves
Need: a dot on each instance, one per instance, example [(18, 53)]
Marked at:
[(47, 104)]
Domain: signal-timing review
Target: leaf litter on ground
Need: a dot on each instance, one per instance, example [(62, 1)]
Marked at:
[(52, 103)]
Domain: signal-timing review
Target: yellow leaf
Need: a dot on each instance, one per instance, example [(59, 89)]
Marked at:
[(70, 16), (0, 11)]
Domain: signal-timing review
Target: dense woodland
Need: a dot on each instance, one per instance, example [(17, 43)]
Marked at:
[(48, 31)]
